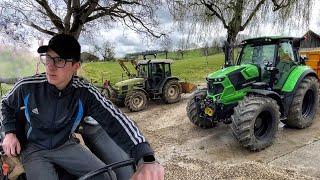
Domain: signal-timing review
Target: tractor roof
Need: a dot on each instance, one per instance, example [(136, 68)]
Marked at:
[(264, 39), (155, 61)]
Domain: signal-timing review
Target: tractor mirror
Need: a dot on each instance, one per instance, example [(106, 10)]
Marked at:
[(303, 60)]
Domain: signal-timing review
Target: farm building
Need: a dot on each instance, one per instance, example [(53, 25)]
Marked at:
[(310, 48)]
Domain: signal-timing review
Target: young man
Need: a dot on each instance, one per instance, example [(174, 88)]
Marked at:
[(54, 105)]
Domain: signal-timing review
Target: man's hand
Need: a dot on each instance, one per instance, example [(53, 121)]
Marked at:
[(11, 145), (152, 171)]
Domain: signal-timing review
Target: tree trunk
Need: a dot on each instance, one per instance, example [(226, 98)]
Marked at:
[(232, 35)]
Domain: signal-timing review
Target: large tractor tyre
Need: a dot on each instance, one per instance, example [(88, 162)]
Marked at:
[(119, 103), (116, 100), (304, 104), (255, 122), (171, 91), (135, 100), (193, 110)]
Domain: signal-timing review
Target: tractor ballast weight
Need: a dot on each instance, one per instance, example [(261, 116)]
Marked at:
[(268, 84)]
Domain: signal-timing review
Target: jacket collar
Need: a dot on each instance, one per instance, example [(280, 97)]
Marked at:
[(58, 92)]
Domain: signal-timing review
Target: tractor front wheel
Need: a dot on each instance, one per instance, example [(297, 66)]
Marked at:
[(255, 122), (136, 100), (171, 91), (304, 104), (193, 110)]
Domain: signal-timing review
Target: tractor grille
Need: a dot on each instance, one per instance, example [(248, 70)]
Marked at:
[(214, 88)]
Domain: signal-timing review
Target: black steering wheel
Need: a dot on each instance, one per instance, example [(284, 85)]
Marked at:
[(109, 169)]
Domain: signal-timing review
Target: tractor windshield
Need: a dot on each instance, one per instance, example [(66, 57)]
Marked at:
[(257, 54), (142, 70)]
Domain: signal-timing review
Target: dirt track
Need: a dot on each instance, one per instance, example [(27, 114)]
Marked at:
[(189, 152)]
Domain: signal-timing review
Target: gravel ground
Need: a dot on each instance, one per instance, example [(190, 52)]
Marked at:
[(189, 152)]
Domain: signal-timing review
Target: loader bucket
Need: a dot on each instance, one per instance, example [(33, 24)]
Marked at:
[(188, 87)]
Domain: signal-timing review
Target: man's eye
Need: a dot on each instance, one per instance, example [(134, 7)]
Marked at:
[(59, 59)]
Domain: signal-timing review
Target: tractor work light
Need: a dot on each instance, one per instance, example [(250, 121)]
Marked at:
[(220, 79)]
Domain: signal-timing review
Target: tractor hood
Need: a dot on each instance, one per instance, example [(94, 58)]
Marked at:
[(250, 70), (230, 84), (129, 82)]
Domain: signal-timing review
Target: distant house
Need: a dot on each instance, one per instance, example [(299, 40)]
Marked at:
[(311, 42)]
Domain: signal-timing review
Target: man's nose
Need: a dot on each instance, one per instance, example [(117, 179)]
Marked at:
[(51, 64)]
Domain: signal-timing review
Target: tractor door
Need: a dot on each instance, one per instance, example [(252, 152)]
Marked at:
[(157, 75), (286, 62), (259, 55)]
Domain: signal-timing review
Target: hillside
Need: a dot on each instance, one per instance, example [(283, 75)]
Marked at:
[(192, 68)]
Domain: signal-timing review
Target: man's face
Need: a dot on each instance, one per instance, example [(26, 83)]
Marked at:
[(60, 77)]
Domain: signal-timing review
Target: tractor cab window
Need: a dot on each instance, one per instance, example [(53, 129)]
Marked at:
[(157, 69), (286, 63), (167, 70), (285, 53), (142, 70), (257, 54)]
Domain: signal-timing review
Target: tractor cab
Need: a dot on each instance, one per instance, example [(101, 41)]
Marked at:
[(155, 71), (275, 57)]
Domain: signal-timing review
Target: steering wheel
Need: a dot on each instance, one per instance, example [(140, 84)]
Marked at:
[(109, 169), (267, 63)]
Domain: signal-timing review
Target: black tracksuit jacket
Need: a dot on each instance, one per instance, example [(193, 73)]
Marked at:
[(52, 115)]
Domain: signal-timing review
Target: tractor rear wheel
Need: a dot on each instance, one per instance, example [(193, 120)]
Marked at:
[(193, 110), (255, 122), (171, 91), (304, 104), (136, 100)]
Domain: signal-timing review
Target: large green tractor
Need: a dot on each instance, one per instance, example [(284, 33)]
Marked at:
[(269, 83), (153, 81)]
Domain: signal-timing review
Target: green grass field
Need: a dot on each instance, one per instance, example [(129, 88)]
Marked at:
[(16, 64), (192, 68)]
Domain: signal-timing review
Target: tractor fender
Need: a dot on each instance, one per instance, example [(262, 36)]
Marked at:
[(141, 89), (165, 81), (270, 94), (295, 78)]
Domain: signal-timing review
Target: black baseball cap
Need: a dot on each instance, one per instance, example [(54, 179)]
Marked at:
[(66, 46)]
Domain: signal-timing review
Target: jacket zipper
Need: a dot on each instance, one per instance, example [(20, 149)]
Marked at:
[(53, 120)]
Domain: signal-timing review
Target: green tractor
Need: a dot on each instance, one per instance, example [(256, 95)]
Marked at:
[(269, 83), (153, 81)]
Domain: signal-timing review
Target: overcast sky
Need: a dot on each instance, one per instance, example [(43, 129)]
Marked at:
[(127, 41)]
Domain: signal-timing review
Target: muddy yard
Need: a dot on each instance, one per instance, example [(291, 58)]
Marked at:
[(189, 152)]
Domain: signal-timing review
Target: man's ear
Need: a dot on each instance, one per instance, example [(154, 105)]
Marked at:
[(76, 66)]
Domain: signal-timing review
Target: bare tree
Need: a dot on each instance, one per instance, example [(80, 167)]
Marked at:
[(106, 50), (75, 16), (166, 46), (237, 15)]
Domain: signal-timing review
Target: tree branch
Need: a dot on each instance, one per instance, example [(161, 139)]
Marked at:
[(106, 11), (53, 17), (280, 5), (214, 12), (253, 13), (41, 29), (67, 18)]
